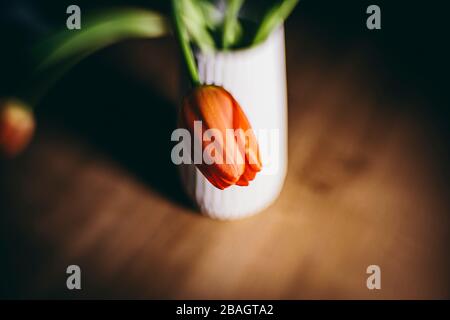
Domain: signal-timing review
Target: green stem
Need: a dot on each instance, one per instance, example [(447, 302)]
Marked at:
[(185, 45)]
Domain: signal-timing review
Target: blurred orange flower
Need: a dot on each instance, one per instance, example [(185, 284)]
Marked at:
[(17, 126)]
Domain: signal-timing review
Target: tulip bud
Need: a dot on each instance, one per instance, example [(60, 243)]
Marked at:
[(16, 126), (217, 109)]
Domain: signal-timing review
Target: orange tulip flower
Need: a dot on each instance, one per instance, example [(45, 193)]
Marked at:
[(16, 126), (218, 110)]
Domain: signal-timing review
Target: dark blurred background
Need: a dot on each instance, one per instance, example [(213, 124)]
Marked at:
[(119, 105)]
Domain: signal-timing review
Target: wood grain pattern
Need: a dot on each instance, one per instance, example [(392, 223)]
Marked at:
[(364, 186)]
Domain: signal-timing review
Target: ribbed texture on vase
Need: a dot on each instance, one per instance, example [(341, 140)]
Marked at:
[(256, 77)]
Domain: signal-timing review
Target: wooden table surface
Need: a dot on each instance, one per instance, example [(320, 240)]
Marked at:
[(97, 189)]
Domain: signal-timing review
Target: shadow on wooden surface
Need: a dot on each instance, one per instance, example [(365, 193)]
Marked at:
[(124, 118)]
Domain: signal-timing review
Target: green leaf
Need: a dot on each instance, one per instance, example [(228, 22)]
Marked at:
[(232, 30), (212, 16), (194, 21), (100, 31), (273, 18)]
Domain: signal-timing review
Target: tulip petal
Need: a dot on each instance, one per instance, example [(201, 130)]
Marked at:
[(247, 139), (216, 109), (214, 177)]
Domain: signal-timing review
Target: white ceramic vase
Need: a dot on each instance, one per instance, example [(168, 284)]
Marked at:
[(256, 77)]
